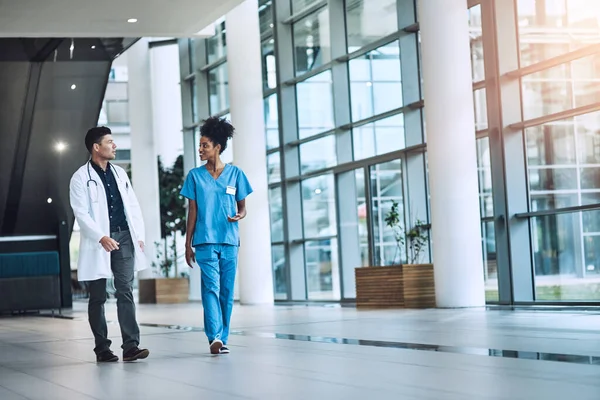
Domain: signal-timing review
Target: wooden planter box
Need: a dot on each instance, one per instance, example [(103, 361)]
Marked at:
[(405, 286), (164, 291)]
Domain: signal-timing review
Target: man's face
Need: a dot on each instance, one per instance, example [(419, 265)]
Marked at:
[(107, 149)]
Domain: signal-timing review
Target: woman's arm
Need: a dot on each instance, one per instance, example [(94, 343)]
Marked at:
[(189, 232), (241, 211)]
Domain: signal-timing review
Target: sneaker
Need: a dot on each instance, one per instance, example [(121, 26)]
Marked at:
[(215, 346), (135, 354), (106, 356), (224, 350)]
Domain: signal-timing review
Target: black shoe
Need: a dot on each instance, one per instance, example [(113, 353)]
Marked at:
[(135, 354), (106, 356), (224, 350)]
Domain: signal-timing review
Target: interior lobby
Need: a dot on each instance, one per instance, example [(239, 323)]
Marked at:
[(425, 215)]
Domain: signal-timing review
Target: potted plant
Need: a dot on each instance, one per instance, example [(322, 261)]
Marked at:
[(167, 288), (409, 284)]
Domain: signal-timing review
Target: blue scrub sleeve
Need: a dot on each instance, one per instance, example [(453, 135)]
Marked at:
[(189, 188), (243, 188)]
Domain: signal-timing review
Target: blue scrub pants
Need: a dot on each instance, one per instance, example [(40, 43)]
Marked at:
[(218, 263)]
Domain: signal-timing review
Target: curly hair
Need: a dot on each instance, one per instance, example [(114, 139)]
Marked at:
[(218, 130)]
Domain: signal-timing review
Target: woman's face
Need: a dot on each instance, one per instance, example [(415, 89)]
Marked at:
[(207, 149)]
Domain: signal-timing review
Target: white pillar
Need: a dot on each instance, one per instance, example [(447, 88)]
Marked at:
[(247, 115), (451, 152), (144, 171)]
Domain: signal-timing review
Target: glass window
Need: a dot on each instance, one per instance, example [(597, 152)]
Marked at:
[(196, 134), (216, 46), (554, 27), (590, 178), (591, 219), (265, 15), (551, 201), (386, 187), (317, 154), (363, 227), (588, 138), (481, 120), (276, 210), (379, 137), (271, 122), (322, 272), (116, 91), (192, 53), (194, 100), (367, 21), (475, 33), (315, 105), (490, 265), (552, 179), (312, 46), (123, 155), (318, 206), (117, 112), (484, 169), (566, 258), (299, 5), (269, 72), (551, 144), (274, 167), (375, 82), (279, 272), (218, 89), (560, 88)]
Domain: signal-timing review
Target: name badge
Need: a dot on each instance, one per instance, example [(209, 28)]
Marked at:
[(231, 190)]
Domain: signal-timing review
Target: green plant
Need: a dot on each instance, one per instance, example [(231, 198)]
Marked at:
[(416, 237), (163, 264)]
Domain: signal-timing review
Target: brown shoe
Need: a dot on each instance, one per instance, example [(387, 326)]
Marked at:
[(106, 356), (135, 354)]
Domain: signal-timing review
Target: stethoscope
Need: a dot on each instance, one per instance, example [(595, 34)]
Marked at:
[(92, 180)]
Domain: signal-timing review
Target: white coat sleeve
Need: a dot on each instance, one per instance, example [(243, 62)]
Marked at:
[(80, 204), (136, 213)]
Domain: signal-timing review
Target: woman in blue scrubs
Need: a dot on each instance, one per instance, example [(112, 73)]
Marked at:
[(216, 193)]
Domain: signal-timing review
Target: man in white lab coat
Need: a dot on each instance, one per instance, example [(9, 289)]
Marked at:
[(112, 242)]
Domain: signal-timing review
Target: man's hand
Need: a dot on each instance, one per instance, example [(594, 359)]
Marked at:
[(141, 244), (190, 257), (235, 218), (109, 244)]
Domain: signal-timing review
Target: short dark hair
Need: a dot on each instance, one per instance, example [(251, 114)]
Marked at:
[(95, 135), (218, 130)]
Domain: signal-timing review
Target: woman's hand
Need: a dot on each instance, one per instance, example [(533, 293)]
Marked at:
[(190, 256), (235, 218)]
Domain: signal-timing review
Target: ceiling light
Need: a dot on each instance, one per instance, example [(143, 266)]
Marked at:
[(93, 47), (318, 191), (271, 25), (60, 147), (49, 200), (73, 86), (132, 20)]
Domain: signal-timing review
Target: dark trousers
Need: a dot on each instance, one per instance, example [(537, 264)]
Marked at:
[(122, 265)]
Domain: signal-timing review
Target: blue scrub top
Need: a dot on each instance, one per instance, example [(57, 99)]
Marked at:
[(217, 199)]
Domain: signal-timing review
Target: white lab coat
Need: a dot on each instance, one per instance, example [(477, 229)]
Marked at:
[(88, 200)]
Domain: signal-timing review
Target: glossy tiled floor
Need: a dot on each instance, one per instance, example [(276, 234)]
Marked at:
[(311, 353)]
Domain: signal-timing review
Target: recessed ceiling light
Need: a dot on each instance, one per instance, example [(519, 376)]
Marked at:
[(49, 200), (60, 147), (73, 86), (132, 20), (93, 47)]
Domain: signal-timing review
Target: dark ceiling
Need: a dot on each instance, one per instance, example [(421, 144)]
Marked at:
[(51, 91)]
